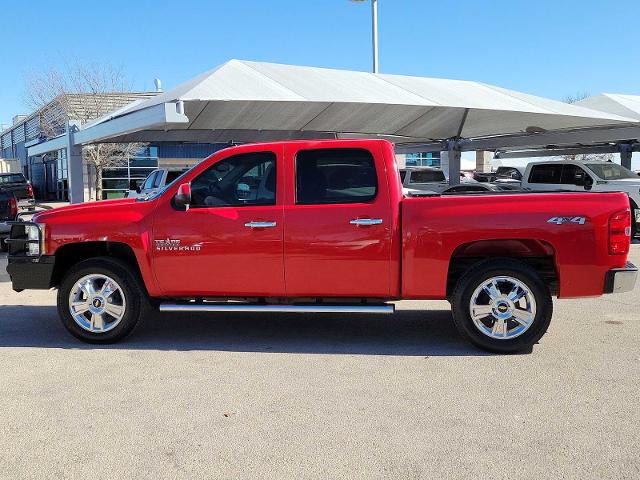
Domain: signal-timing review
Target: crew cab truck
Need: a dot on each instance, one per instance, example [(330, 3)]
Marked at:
[(322, 226)]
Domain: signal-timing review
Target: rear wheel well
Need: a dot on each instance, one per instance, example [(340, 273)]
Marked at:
[(537, 254), (71, 254)]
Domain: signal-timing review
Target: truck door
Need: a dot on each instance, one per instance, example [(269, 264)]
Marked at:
[(337, 222), (230, 241)]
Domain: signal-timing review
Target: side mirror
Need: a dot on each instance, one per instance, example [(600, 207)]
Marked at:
[(588, 183), (182, 198)]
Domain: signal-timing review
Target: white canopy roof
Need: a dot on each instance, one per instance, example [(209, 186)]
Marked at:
[(624, 105), (252, 101)]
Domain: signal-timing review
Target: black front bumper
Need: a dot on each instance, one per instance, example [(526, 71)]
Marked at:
[(31, 272)]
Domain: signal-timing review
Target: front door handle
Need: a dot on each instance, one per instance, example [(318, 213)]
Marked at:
[(365, 222), (260, 224)]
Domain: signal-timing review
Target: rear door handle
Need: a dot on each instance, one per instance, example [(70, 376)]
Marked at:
[(260, 224), (365, 222)]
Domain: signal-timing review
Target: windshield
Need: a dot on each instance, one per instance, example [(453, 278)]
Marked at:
[(156, 194), (611, 171)]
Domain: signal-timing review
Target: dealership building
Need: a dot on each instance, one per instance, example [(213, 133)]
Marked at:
[(49, 172)]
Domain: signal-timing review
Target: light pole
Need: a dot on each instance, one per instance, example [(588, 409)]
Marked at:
[(374, 31)]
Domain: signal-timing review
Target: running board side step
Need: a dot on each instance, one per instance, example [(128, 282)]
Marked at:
[(217, 307)]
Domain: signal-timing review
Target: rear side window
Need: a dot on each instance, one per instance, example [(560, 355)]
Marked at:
[(427, 176), (545, 174), (171, 176), (341, 175)]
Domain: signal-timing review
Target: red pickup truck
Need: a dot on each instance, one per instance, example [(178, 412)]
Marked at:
[(322, 226)]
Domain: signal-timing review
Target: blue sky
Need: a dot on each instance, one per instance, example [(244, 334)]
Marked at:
[(548, 48)]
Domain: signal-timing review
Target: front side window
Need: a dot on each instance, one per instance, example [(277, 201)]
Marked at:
[(245, 179), (546, 174), (572, 175), (340, 175)]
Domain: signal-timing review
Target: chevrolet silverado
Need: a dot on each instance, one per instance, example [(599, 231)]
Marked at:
[(322, 226)]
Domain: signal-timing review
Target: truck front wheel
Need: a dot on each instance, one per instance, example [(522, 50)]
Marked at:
[(502, 305), (100, 300)]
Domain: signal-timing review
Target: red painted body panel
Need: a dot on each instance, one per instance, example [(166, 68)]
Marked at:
[(125, 221), (233, 260), (314, 251), (433, 228), (324, 254)]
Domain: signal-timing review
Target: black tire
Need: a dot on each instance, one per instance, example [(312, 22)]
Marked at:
[(482, 271), (132, 288)]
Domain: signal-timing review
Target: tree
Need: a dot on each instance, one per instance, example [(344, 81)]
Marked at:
[(83, 93), (583, 157)]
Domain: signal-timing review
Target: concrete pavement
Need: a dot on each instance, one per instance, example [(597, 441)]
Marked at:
[(319, 396)]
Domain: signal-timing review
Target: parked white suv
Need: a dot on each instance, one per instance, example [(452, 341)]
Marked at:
[(591, 175)]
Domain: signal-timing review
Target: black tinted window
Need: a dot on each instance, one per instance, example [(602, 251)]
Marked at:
[(572, 175), (13, 178), (427, 176), (245, 179), (345, 175), (172, 175), (545, 174)]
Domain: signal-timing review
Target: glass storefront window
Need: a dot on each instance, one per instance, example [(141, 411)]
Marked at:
[(423, 159), (116, 181)]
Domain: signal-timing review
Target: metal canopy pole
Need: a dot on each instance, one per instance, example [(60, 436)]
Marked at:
[(626, 152), (454, 156), (374, 33)]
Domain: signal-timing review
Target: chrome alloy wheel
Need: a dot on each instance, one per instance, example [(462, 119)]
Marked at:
[(502, 307), (97, 303)]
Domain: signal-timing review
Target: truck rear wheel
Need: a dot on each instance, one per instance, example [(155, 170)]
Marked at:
[(100, 300), (502, 305)]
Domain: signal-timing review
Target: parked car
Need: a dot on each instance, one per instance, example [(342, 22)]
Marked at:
[(423, 178), (156, 180), (502, 174), (322, 226), (17, 184), (478, 187), (591, 175), (8, 213)]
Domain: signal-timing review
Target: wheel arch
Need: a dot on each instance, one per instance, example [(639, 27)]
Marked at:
[(71, 254), (538, 254)]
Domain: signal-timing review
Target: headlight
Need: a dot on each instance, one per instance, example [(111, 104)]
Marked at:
[(34, 248)]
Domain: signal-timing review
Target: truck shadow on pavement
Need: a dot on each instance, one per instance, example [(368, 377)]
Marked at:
[(407, 332)]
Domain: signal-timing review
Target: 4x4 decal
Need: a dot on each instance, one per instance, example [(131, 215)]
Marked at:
[(561, 220)]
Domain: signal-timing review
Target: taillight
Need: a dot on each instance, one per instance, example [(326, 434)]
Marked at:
[(620, 233), (13, 207), (30, 191)]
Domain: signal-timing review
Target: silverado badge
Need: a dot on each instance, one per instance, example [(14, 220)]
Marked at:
[(171, 245)]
